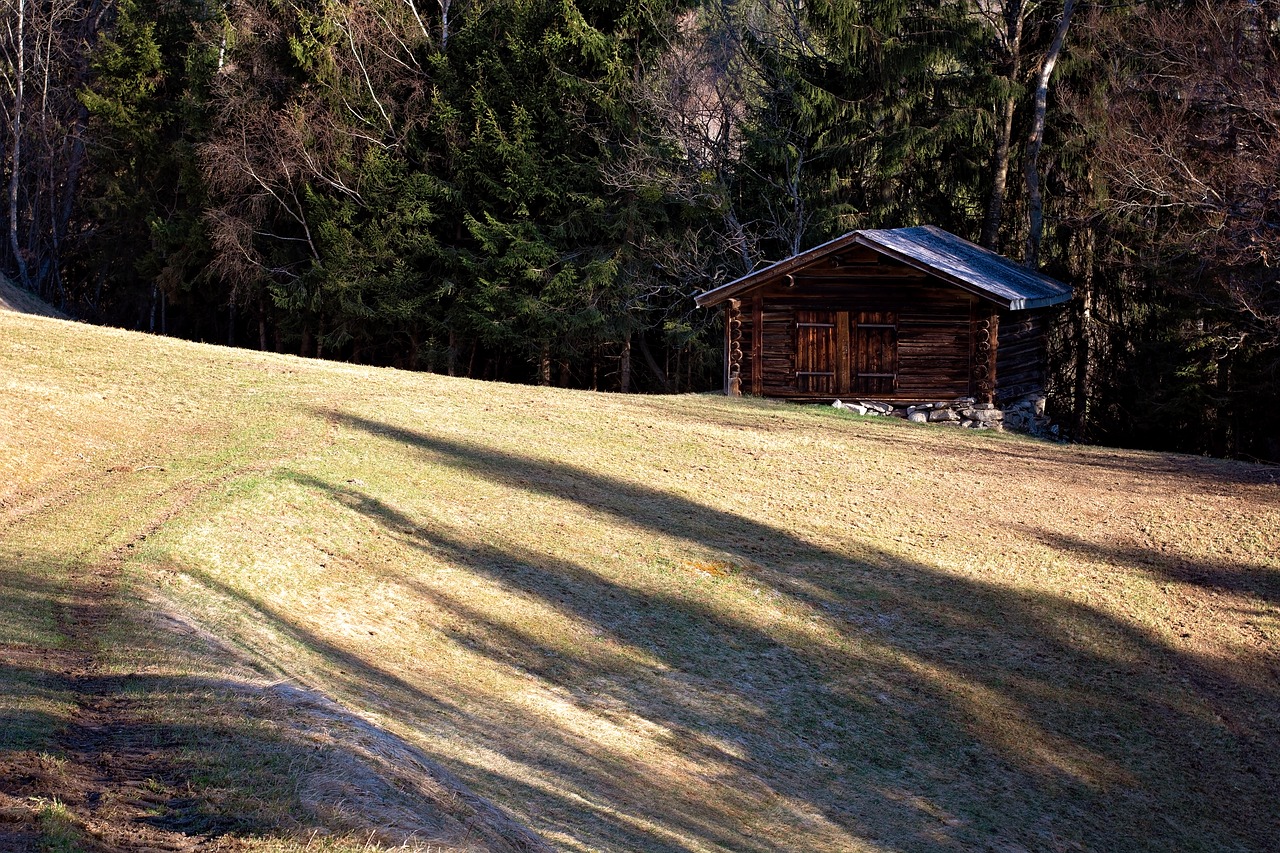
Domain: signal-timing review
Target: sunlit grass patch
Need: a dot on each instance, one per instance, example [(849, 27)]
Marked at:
[(59, 830), (711, 568), (635, 623)]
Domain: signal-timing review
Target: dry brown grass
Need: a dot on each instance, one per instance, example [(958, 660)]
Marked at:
[(638, 623)]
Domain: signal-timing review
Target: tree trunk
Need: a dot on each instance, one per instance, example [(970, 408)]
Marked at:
[(1084, 320), (15, 152), (1014, 20), (1224, 436), (445, 8), (999, 177), (262, 324), (66, 208), (1080, 427), (1035, 205), (544, 365), (658, 372), (624, 366), (451, 355)]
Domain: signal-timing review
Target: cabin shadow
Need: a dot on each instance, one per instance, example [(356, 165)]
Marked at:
[(951, 711)]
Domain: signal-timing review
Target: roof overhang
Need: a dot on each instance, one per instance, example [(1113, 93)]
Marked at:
[(774, 271), (932, 251)]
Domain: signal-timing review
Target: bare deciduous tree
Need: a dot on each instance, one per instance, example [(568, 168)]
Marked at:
[(1013, 27), (1193, 154), (282, 142), (43, 64)]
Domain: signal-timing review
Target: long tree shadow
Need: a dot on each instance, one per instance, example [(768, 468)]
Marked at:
[(1220, 575), (204, 757), (1207, 474), (475, 719), (170, 758), (1067, 714)]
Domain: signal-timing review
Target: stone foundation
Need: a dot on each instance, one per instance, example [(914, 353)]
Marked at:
[(1025, 415)]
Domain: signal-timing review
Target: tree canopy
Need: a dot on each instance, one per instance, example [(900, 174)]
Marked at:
[(533, 190)]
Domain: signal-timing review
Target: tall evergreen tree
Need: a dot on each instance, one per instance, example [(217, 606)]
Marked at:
[(146, 105)]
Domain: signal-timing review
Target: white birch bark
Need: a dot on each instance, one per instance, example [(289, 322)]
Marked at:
[(17, 72), (1035, 203)]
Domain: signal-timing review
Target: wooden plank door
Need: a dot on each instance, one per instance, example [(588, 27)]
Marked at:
[(875, 352), (816, 352)]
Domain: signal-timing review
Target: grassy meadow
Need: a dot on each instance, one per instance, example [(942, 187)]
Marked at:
[(276, 604)]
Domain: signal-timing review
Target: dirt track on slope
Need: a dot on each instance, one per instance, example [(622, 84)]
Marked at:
[(120, 774)]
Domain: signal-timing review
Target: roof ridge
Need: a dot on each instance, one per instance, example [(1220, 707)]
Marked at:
[(942, 254)]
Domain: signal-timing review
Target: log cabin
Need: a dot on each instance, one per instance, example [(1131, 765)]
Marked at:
[(904, 316)]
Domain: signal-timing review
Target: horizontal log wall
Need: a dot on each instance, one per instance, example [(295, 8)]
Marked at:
[(1020, 360), (933, 329)]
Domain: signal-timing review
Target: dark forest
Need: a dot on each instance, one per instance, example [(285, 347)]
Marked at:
[(534, 190)]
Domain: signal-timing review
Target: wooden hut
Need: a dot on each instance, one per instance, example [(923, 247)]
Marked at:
[(904, 316)]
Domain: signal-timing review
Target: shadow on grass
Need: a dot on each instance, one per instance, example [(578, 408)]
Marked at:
[(32, 683), (946, 711), (905, 707), (29, 599), (145, 757), (1259, 581), (581, 780), (26, 720), (162, 739)]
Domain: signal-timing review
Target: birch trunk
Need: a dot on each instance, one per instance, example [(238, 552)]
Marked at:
[(1035, 204), (1015, 19), (15, 144)]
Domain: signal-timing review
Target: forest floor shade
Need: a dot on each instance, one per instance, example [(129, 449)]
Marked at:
[(249, 601)]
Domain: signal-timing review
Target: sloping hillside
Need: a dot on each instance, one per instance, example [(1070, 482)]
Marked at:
[(281, 603), (14, 298)]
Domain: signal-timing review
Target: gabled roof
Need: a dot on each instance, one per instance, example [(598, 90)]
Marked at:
[(932, 250)]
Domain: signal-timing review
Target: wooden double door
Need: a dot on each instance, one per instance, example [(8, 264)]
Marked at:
[(846, 352)]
